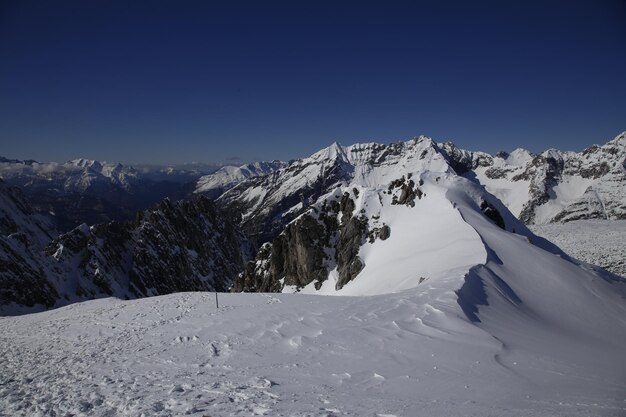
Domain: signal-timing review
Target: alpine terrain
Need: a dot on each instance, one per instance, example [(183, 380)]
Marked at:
[(388, 280), (171, 247), (89, 191)]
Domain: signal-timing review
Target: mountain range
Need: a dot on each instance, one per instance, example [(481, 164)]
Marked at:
[(439, 300), (330, 223), (90, 191)]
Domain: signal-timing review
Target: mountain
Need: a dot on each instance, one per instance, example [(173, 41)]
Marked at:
[(554, 186), (445, 293), (225, 178), (267, 203), (172, 247), (23, 236), (354, 214), (90, 191), (455, 309)]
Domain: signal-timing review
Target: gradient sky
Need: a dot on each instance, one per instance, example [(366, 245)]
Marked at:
[(176, 81)]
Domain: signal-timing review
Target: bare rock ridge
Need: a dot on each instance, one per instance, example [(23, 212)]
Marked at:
[(23, 234), (175, 246)]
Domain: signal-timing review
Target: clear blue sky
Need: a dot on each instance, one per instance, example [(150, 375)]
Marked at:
[(175, 81)]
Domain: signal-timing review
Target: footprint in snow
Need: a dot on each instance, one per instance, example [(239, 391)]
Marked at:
[(185, 339)]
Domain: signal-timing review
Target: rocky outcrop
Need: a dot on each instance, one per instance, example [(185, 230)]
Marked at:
[(23, 234), (175, 246), (328, 236), (408, 191), (182, 246), (492, 213)]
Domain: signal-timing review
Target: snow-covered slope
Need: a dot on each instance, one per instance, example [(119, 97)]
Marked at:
[(554, 186), (595, 241), (558, 352), (227, 177)]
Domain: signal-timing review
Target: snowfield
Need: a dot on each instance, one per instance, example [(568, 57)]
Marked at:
[(295, 355), (595, 241)]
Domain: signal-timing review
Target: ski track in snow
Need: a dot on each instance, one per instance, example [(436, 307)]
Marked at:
[(278, 355)]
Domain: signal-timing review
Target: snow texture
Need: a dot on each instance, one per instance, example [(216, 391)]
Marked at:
[(595, 241)]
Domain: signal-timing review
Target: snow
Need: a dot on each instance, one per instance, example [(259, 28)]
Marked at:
[(429, 241), (514, 194), (404, 354), (229, 176), (595, 241), (570, 189), (451, 316), (519, 157)]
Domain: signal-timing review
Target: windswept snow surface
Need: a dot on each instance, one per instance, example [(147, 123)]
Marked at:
[(400, 354), (533, 335)]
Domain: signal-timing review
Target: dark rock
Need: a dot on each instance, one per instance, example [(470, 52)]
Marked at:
[(492, 213)]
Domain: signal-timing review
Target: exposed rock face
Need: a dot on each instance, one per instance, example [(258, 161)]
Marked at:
[(554, 186), (351, 237), (23, 233), (408, 192), (326, 237), (183, 246), (490, 211)]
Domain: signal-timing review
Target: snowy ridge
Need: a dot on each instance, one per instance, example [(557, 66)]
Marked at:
[(228, 176), (269, 202)]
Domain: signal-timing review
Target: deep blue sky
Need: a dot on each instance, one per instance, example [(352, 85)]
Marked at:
[(175, 81)]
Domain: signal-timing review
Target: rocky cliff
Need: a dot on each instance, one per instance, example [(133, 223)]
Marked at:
[(23, 235), (174, 246)]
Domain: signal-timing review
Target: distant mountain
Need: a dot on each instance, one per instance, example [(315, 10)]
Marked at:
[(554, 186), (89, 191), (225, 178)]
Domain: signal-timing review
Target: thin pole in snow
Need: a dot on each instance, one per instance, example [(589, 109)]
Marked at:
[(217, 304)]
